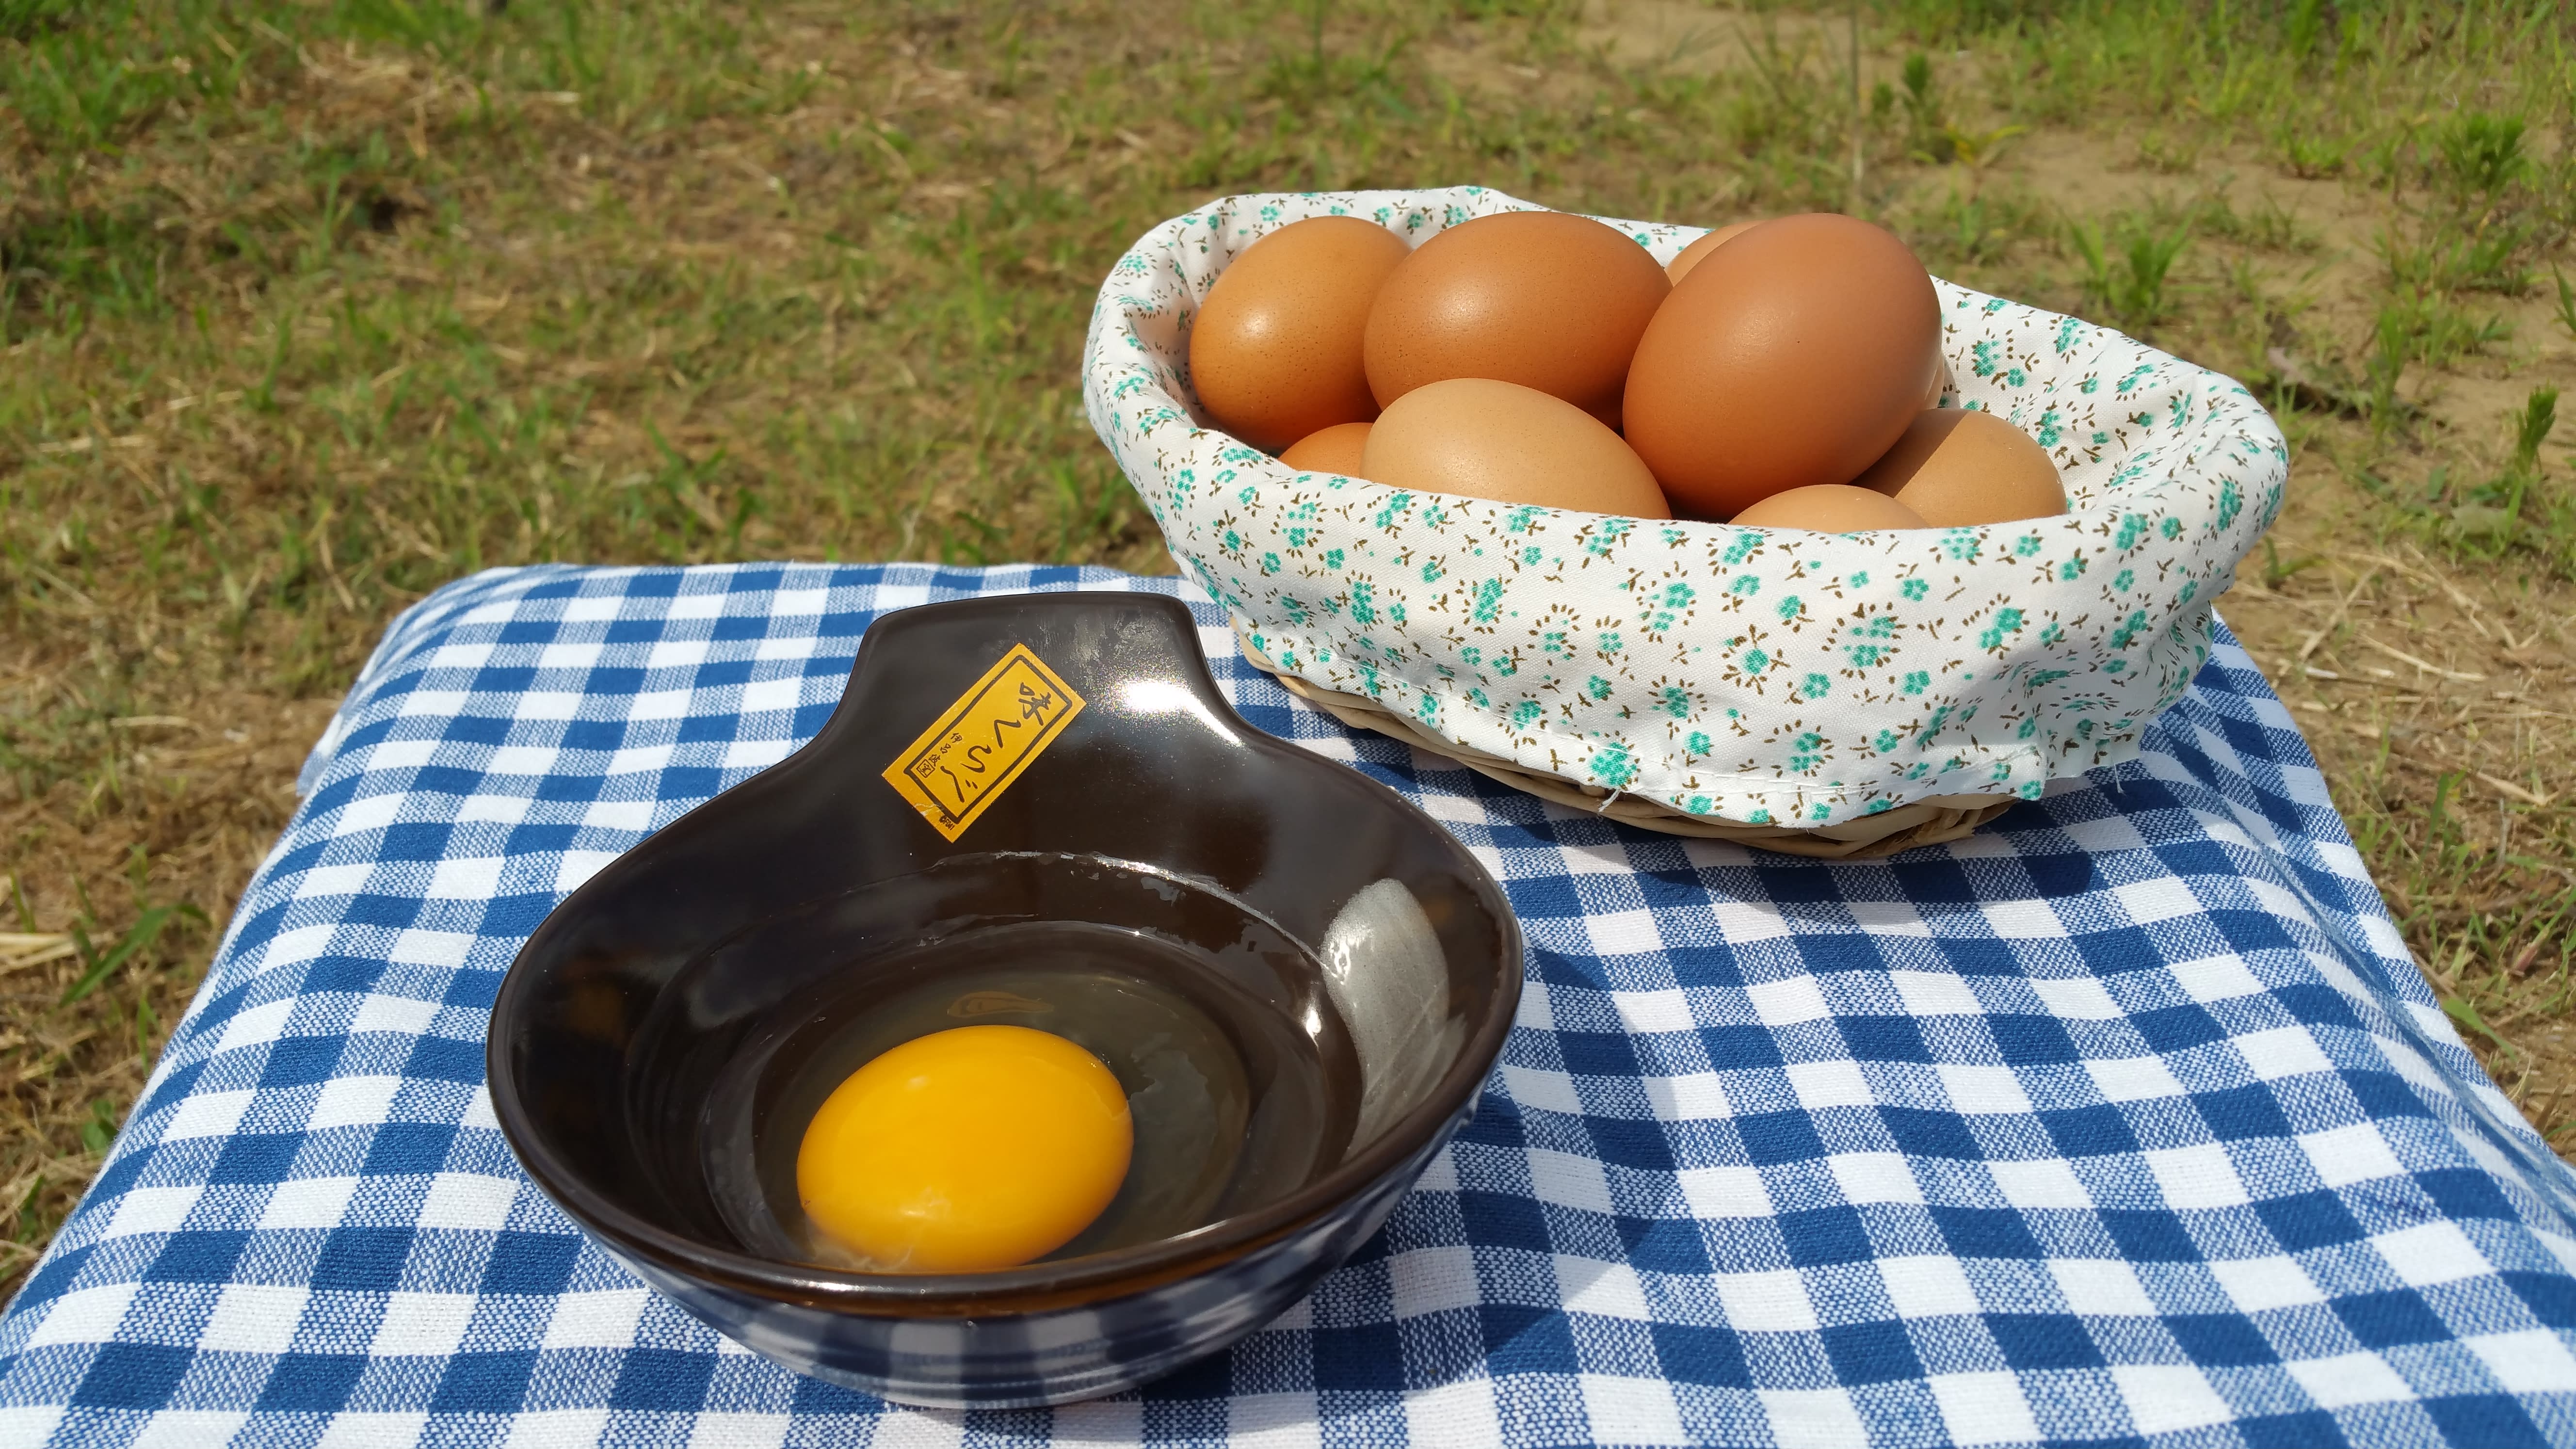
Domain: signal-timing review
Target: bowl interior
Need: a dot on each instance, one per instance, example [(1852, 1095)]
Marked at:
[(1298, 978), (1240, 1074)]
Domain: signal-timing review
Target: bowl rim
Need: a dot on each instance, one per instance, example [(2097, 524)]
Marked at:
[(1042, 1285)]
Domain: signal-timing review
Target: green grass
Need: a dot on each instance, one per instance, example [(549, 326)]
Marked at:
[(308, 306), (2126, 276)]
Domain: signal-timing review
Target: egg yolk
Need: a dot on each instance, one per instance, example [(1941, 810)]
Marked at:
[(966, 1150)]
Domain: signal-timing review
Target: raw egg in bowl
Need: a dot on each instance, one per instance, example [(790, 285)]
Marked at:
[(1036, 1029)]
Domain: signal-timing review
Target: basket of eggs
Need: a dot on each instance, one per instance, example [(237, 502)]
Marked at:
[(1762, 533)]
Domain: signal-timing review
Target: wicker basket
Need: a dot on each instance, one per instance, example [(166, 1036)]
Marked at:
[(1821, 695), (1926, 822)]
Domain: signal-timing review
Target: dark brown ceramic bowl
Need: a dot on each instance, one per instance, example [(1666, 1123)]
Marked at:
[(669, 1016)]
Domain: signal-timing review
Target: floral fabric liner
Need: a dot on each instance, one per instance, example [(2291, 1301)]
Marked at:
[(1749, 675)]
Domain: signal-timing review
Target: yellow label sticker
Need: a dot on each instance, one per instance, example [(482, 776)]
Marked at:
[(965, 761)]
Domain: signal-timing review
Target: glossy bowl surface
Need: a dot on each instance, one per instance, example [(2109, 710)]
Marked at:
[(657, 1015)]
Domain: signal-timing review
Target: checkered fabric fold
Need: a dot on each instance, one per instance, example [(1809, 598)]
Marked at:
[(2127, 1121)]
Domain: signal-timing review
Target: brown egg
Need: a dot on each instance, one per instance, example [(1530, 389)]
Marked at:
[(1828, 508), (1540, 298), (1960, 468), (1276, 351), (1791, 356), (1509, 443), (1679, 267), (1329, 450)]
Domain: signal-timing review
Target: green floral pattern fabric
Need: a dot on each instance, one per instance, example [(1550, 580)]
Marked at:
[(1758, 676)]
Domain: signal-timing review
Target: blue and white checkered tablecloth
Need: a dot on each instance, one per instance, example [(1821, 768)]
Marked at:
[(2127, 1121)]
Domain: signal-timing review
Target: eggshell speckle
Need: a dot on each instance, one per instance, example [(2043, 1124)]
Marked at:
[(1276, 351), (1335, 449), (1511, 444), (1828, 508), (1791, 356), (1680, 266), (1541, 298), (1961, 468)]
